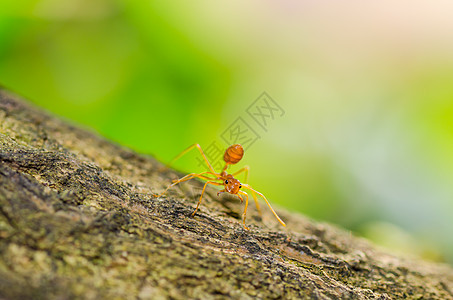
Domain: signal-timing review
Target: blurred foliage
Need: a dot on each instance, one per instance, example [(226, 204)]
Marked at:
[(367, 134), (123, 70)]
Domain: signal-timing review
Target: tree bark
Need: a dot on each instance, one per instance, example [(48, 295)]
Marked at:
[(78, 219)]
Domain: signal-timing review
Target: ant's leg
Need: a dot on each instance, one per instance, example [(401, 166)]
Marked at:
[(187, 150), (246, 169), (245, 208), (198, 175), (268, 204), (242, 200), (202, 192), (257, 203), (185, 178)]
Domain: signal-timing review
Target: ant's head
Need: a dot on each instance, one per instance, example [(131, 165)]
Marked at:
[(233, 154), (232, 185)]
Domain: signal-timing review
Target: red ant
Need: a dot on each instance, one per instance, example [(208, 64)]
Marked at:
[(231, 185)]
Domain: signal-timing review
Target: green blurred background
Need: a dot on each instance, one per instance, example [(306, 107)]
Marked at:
[(366, 140)]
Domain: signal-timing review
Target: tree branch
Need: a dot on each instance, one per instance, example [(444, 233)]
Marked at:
[(78, 219)]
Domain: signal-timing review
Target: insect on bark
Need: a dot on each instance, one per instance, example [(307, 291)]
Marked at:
[(230, 184)]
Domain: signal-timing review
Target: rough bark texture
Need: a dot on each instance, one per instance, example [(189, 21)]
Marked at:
[(78, 219)]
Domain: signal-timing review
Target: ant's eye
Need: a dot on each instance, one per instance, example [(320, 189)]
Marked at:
[(240, 186), (226, 181)]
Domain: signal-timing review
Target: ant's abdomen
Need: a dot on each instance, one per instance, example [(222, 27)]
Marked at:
[(233, 154)]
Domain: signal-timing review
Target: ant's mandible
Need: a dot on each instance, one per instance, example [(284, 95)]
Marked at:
[(231, 185)]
